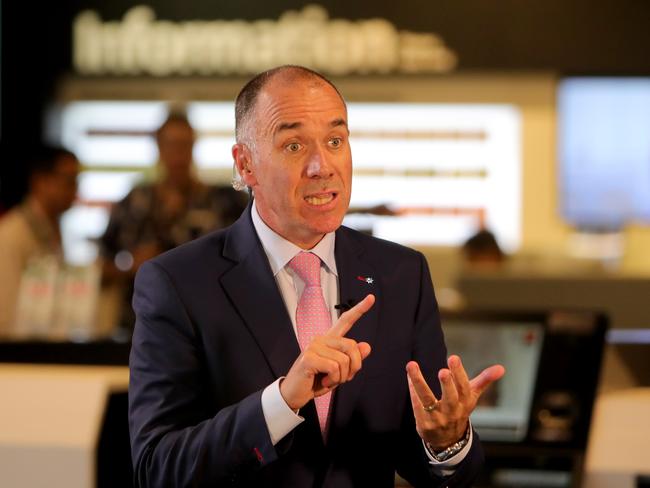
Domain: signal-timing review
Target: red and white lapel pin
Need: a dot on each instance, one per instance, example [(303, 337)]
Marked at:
[(367, 279)]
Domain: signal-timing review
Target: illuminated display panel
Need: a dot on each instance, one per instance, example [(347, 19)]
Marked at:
[(604, 150), (503, 412), (444, 170)]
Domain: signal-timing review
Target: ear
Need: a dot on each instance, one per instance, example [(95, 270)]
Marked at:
[(244, 164)]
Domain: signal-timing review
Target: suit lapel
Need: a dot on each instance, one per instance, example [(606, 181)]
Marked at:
[(251, 287), (357, 279)]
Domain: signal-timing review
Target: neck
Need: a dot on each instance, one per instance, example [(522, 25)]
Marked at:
[(182, 184), (40, 206), (307, 245)]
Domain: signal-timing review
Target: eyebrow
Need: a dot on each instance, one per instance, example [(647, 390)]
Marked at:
[(295, 125), (288, 126)]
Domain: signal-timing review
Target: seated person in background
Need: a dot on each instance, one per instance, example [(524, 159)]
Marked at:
[(32, 228), (481, 252), (156, 217)]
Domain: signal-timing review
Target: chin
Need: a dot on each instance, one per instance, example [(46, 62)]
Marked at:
[(323, 222), (324, 227)]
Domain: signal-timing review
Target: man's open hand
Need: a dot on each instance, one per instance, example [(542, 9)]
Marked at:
[(442, 422)]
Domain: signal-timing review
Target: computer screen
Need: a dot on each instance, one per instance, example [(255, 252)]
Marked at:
[(503, 411), (604, 150)]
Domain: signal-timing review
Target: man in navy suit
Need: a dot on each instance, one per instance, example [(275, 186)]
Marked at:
[(221, 392)]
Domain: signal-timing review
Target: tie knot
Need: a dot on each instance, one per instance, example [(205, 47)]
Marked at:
[(307, 266)]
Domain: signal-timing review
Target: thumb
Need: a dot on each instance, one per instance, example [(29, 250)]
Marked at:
[(488, 376), (364, 349)]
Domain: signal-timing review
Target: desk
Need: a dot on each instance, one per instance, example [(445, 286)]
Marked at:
[(619, 439), (50, 422), (98, 353)]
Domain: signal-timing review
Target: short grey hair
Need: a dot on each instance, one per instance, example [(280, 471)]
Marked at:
[(247, 97)]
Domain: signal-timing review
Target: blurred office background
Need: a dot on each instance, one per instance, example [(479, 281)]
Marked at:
[(528, 120)]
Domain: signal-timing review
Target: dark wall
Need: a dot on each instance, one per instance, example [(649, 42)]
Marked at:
[(575, 35), (35, 51), (604, 36)]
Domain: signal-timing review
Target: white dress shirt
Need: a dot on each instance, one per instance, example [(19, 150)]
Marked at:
[(280, 419)]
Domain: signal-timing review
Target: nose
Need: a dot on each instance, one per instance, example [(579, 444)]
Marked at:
[(318, 164)]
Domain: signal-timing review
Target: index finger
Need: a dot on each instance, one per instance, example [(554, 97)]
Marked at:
[(419, 384), (347, 319)]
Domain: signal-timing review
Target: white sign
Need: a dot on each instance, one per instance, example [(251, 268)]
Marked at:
[(56, 301), (444, 169), (140, 44)]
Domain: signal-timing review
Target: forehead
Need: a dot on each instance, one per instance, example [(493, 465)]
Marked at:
[(284, 101), (65, 162), (63, 165), (175, 129)]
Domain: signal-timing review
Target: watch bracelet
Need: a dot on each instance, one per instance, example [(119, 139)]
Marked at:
[(452, 450)]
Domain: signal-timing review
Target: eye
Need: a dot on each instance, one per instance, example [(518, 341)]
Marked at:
[(294, 147), (336, 141)]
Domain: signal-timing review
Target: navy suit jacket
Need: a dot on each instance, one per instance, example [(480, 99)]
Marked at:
[(212, 331)]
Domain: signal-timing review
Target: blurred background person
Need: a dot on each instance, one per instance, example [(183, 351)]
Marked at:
[(31, 229), (481, 252), (155, 217)]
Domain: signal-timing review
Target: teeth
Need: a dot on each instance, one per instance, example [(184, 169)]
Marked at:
[(319, 200)]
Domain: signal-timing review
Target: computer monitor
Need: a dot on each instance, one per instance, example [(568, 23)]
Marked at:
[(552, 362)]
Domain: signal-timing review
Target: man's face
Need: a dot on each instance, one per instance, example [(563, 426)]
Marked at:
[(300, 164), (175, 144), (58, 189)]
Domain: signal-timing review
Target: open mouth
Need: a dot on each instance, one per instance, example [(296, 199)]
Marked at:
[(320, 199)]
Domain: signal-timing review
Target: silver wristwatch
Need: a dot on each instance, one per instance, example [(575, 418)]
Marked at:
[(452, 450)]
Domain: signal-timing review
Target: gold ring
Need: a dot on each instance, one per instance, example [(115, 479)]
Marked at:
[(432, 407)]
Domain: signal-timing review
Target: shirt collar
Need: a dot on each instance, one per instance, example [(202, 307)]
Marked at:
[(280, 251), (43, 229)]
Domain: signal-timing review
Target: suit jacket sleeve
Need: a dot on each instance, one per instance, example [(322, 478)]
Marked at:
[(431, 354), (175, 441)]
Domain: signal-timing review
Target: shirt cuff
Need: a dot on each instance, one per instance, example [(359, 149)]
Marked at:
[(280, 419), (448, 466)]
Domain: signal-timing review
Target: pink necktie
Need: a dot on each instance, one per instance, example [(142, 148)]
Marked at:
[(312, 316)]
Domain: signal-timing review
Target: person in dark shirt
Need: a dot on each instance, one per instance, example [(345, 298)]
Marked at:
[(156, 217)]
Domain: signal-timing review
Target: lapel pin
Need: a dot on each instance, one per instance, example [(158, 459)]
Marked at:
[(368, 279)]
